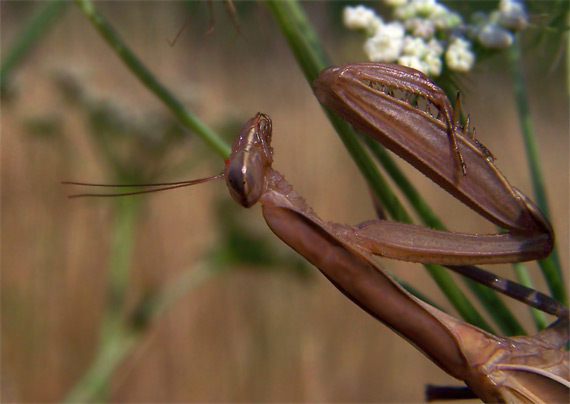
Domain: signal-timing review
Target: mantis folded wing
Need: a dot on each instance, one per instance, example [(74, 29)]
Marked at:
[(365, 95)]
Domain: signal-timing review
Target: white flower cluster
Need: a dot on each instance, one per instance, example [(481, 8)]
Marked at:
[(496, 30), (427, 32)]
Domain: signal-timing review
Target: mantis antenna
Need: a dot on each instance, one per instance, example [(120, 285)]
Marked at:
[(163, 186)]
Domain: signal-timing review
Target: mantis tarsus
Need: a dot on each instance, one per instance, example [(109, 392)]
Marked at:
[(509, 369)]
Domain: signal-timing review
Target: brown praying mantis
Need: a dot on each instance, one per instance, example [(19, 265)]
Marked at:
[(496, 369)]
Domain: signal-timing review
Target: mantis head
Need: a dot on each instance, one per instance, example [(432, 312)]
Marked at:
[(251, 156)]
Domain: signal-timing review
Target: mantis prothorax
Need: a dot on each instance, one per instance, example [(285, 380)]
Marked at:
[(534, 368)]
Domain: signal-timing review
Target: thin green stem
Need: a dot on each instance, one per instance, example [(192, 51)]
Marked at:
[(417, 293), (568, 58), (496, 308), (112, 352), (121, 251), (186, 117), (369, 169), (455, 295), (550, 266), (114, 340), (152, 308), (425, 213), (118, 342), (28, 37)]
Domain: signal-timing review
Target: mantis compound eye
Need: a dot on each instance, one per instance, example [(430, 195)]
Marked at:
[(245, 177)]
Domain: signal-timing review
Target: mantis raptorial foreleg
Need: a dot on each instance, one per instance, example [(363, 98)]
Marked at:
[(364, 95)]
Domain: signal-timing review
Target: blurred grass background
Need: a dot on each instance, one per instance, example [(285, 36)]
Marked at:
[(72, 111)]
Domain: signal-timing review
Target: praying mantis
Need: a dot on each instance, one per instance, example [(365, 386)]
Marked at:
[(382, 101)]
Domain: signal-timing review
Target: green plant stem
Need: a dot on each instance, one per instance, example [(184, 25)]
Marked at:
[(111, 353), (369, 169), (417, 293), (121, 251), (496, 308), (113, 340), (308, 52), (568, 57), (425, 213), (550, 266), (186, 117), (153, 307), (119, 340), (28, 36)]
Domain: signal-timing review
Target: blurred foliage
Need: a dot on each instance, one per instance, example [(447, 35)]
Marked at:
[(239, 246), (550, 28), (137, 145), (30, 34), (46, 126)]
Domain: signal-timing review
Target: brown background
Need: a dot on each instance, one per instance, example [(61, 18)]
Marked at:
[(245, 335)]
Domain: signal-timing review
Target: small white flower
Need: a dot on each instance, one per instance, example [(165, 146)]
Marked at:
[(434, 64), (438, 10), (405, 12), (414, 46), (512, 15), (447, 20), (395, 3), (386, 44), (459, 56), (434, 47), (424, 28), (360, 17), (424, 7), (413, 62), (494, 37)]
